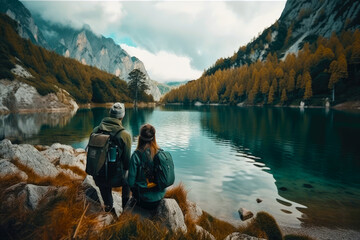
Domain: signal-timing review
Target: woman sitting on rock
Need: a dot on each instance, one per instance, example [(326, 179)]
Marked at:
[(141, 178)]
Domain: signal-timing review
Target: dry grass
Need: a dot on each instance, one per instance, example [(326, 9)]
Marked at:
[(57, 217), (60, 180), (40, 148), (75, 170), (178, 193), (263, 226), (130, 226), (218, 228), (65, 215)]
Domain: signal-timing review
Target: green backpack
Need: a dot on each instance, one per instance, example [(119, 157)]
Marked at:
[(103, 157), (164, 169), (160, 170)]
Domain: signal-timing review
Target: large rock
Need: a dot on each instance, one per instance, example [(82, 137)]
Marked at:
[(171, 215), (18, 96), (7, 169), (194, 211), (205, 234), (28, 156), (245, 214), (241, 236), (65, 155), (30, 195)]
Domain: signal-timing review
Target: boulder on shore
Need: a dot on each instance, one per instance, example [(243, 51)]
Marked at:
[(28, 156), (194, 211), (245, 214), (171, 215), (7, 168), (29, 195)]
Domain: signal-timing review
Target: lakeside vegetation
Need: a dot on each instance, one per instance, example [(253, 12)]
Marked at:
[(50, 70), (312, 75), (65, 216)]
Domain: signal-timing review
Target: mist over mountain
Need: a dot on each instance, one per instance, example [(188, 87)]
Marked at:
[(81, 44)]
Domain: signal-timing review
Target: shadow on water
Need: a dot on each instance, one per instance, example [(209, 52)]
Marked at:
[(313, 155)]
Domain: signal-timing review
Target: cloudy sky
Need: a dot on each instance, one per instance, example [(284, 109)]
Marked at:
[(176, 40)]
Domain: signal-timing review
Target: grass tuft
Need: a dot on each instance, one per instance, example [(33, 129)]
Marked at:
[(75, 170), (60, 180), (263, 226), (178, 193), (218, 228)]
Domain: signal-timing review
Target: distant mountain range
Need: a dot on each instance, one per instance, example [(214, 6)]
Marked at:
[(83, 45), (300, 22)]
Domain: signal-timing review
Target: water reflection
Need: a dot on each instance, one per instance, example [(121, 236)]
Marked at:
[(303, 164), (18, 127), (311, 154)]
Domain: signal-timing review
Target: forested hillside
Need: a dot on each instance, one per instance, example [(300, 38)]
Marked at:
[(319, 68), (84, 83)]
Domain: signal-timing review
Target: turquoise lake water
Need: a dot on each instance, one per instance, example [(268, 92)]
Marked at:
[(303, 164)]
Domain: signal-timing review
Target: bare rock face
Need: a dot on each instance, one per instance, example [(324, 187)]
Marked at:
[(170, 214), (16, 96), (204, 233), (30, 195), (241, 236), (194, 210), (65, 155), (28, 156), (7, 168)]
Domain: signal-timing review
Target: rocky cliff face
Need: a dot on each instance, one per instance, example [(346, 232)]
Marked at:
[(16, 96), (27, 27), (83, 44), (310, 19), (300, 22)]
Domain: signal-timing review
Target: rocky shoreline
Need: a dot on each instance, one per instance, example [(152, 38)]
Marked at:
[(64, 163), (345, 106), (26, 163)]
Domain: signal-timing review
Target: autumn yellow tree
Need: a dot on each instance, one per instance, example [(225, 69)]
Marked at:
[(271, 95), (283, 96), (308, 85), (338, 70), (291, 81)]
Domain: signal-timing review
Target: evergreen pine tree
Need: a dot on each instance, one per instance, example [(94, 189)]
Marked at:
[(137, 83)]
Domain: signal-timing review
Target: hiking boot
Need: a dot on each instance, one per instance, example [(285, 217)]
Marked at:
[(111, 210)]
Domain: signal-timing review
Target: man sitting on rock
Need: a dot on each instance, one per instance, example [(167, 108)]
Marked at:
[(113, 125)]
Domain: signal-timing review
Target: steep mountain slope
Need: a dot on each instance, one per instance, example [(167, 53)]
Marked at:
[(48, 71), (82, 45), (27, 28), (300, 22), (313, 49)]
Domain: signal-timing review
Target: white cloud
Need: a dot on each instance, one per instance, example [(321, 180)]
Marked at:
[(164, 66), (190, 34), (99, 15)]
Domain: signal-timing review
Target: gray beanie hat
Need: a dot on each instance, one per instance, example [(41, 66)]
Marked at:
[(117, 110)]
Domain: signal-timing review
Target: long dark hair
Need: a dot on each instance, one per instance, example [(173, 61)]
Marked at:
[(147, 139)]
